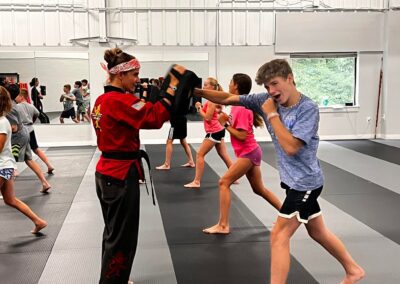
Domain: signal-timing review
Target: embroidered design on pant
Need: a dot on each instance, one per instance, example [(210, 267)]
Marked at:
[(116, 265)]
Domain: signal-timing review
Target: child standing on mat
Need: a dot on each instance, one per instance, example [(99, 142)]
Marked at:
[(178, 130)]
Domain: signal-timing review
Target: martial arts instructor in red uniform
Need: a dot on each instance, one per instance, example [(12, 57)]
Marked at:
[(117, 118)]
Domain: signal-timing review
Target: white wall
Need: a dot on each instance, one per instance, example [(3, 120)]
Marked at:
[(329, 31), (390, 115)]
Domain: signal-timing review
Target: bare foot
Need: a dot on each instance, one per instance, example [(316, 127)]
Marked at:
[(188, 165), (39, 226), (193, 184), (45, 189), (217, 229), (354, 276), (163, 167)]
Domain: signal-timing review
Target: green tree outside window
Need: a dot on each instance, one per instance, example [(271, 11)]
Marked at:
[(327, 80)]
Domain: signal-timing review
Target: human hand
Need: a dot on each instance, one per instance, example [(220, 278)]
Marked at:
[(197, 105), (223, 118), (269, 106)]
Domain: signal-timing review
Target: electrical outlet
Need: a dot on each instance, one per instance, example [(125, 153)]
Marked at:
[(368, 119)]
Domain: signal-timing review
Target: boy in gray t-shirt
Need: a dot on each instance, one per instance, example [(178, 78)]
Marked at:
[(292, 120), (29, 114), (68, 101)]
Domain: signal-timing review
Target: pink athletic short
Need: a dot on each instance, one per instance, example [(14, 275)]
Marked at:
[(254, 156)]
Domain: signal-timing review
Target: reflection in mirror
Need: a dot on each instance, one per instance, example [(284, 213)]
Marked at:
[(45, 74)]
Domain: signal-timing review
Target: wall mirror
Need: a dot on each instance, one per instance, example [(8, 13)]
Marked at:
[(53, 70)]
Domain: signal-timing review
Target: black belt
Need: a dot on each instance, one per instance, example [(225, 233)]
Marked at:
[(122, 155), (137, 155)]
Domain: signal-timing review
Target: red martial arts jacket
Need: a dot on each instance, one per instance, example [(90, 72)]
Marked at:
[(117, 118)]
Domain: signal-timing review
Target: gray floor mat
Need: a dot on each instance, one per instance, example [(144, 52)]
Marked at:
[(29, 252)]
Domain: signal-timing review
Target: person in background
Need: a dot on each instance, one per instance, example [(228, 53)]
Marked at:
[(28, 116), (8, 166), (178, 130), (86, 95), (35, 94), (68, 103), (3, 81), (80, 103), (20, 139), (215, 134)]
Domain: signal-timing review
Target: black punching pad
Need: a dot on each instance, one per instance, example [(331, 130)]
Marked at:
[(187, 82)]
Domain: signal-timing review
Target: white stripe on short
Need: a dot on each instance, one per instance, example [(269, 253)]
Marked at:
[(306, 196), (171, 133), (297, 214)]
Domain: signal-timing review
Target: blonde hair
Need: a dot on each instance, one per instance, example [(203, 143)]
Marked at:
[(214, 83), (5, 101)]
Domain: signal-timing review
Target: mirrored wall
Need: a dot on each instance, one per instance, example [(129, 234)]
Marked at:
[(53, 70)]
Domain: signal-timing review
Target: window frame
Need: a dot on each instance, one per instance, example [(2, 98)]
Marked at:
[(335, 108)]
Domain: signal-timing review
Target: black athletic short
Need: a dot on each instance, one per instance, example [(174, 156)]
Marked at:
[(32, 141), (68, 113), (302, 204), (216, 137), (178, 129)]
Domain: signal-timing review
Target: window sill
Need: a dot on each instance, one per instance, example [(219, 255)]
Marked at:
[(338, 108)]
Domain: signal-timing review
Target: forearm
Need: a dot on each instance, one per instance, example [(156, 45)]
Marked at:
[(219, 97), (290, 144), (238, 134)]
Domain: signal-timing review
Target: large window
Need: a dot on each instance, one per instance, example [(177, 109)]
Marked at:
[(328, 79)]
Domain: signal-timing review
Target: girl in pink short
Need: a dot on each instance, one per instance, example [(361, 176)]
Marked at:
[(240, 125)]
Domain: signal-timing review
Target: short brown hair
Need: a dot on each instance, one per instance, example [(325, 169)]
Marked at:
[(5, 101), (274, 68), (68, 86)]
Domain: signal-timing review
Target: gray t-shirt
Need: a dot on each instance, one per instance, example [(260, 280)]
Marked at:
[(78, 95), (68, 104), (28, 112), (21, 136), (301, 171)]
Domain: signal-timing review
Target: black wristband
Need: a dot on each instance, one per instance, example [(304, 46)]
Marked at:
[(227, 124)]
